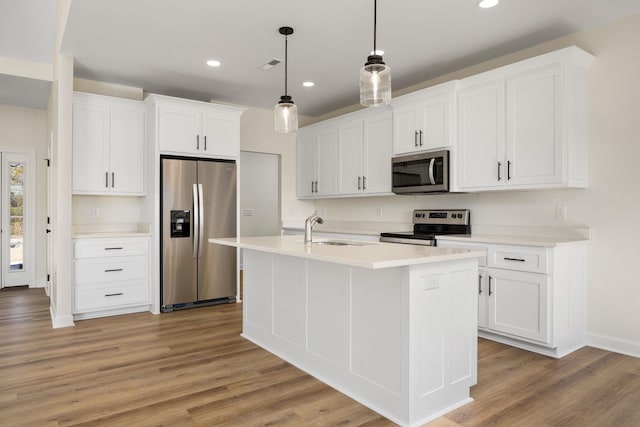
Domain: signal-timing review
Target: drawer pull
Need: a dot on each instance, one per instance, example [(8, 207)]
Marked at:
[(113, 269), (113, 295), (514, 259), (112, 249)]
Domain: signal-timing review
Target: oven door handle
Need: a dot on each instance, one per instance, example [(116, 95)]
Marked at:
[(431, 177)]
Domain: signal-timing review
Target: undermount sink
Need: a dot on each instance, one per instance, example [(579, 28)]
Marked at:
[(337, 243)]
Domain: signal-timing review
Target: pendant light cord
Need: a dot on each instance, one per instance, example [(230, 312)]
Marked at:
[(286, 62), (375, 13)]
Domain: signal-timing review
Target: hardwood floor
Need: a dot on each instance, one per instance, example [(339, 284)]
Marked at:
[(191, 368)]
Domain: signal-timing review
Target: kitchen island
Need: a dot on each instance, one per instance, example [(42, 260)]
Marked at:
[(392, 326)]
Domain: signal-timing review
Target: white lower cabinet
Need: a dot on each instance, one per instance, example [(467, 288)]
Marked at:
[(531, 297), (111, 276)]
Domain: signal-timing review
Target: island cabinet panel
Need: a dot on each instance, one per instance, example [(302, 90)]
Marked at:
[(327, 326), (400, 340), (289, 298), (376, 309)]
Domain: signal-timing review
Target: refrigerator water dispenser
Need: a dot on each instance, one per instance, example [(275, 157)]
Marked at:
[(181, 223)]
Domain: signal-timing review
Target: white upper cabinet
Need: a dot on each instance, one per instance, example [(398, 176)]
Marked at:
[(317, 162), (196, 128), (108, 145), (346, 156), (523, 126), (424, 120), (364, 153)]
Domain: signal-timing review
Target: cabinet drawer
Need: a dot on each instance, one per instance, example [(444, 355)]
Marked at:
[(101, 248), (520, 259), (104, 296), (110, 270)]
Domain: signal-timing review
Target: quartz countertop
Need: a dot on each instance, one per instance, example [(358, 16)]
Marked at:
[(358, 254), (547, 242), (108, 234)]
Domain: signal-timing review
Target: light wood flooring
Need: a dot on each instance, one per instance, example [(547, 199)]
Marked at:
[(192, 367)]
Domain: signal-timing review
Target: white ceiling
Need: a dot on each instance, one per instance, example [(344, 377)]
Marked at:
[(162, 45)]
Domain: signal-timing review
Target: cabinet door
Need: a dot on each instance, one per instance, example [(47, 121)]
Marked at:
[(406, 123), (327, 161), (306, 163), (126, 151), (481, 132), (90, 148), (179, 130), (518, 304), (377, 154), (483, 298), (436, 121), (219, 136), (534, 128), (350, 146)]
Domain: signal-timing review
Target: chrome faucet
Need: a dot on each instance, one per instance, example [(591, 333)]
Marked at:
[(308, 225)]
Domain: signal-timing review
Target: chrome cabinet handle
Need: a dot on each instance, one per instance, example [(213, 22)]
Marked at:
[(499, 166), (508, 170), (113, 270), (364, 182), (415, 139), (490, 292), (421, 138), (113, 295), (479, 284), (359, 183)]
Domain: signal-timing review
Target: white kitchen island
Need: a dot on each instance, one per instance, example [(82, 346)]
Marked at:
[(392, 326)]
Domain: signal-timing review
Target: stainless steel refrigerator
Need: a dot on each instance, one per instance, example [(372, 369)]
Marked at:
[(198, 201)]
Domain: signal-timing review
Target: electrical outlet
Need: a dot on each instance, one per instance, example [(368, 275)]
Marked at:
[(561, 211), (379, 211), (95, 212)]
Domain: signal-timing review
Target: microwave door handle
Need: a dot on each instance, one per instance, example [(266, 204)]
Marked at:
[(431, 177)]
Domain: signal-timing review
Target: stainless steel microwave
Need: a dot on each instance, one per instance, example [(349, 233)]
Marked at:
[(421, 173)]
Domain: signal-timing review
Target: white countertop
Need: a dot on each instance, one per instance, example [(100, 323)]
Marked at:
[(547, 242), (109, 234), (366, 254)]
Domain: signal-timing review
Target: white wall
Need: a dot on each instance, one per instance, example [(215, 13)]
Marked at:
[(259, 194), (26, 128), (610, 206)]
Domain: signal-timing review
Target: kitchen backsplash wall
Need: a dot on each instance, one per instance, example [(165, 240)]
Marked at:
[(110, 210)]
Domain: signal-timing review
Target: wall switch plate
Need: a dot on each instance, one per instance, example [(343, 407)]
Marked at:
[(561, 211), (95, 212)]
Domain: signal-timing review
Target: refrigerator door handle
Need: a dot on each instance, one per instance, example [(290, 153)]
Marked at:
[(201, 220), (196, 220)]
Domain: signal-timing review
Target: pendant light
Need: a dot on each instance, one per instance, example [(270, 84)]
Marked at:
[(375, 76), (285, 111)]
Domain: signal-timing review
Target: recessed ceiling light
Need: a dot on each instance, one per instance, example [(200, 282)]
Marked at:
[(213, 63), (377, 52), (486, 4), (308, 84)]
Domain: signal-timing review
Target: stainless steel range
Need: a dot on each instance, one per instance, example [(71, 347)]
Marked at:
[(428, 223)]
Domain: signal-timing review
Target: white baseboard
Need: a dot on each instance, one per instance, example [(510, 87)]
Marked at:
[(60, 321), (610, 344)]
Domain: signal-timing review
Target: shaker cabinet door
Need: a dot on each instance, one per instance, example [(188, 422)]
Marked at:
[(90, 148), (126, 151)]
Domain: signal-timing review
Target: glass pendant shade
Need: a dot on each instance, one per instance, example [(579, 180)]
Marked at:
[(286, 115), (375, 83)]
